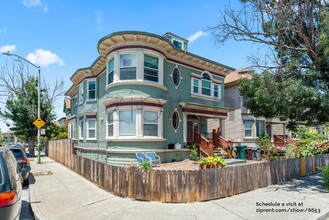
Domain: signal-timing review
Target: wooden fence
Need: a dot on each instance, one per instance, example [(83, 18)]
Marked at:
[(182, 185)]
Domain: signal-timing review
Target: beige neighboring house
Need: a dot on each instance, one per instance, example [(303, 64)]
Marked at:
[(9, 138), (241, 125)]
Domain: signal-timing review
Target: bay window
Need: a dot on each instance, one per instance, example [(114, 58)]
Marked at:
[(134, 123), (128, 65)]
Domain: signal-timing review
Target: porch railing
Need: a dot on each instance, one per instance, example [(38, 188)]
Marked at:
[(204, 145)]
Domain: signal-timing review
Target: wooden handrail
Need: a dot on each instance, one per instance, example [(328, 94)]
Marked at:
[(204, 145), (220, 141)]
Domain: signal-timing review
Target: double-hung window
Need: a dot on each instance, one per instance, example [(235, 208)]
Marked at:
[(260, 128), (110, 125), (110, 71), (128, 64), (92, 89), (81, 93), (150, 123), (91, 128), (151, 68), (216, 90), (206, 85), (81, 129), (127, 123), (195, 86), (248, 128)]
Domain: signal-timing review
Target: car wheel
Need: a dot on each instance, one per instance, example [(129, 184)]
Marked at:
[(26, 182)]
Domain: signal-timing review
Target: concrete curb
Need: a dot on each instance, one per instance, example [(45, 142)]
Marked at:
[(324, 216)]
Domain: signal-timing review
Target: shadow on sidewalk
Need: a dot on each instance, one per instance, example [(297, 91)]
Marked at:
[(314, 183)]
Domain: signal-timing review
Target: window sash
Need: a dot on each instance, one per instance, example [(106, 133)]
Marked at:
[(110, 125), (92, 89), (127, 123), (260, 128), (248, 128), (196, 86), (81, 93), (110, 71), (216, 87), (81, 130), (206, 87)]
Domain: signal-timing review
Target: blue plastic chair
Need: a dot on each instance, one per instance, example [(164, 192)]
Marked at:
[(141, 157), (153, 157)]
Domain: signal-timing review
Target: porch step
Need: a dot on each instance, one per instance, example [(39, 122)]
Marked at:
[(220, 152)]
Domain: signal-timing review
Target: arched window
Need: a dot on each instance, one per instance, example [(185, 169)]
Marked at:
[(206, 84), (175, 120)]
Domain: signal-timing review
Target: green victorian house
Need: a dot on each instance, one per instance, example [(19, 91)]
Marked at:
[(144, 92)]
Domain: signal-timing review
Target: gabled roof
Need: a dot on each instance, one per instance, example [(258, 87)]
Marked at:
[(235, 76)]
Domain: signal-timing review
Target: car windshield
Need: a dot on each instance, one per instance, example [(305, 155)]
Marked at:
[(17, 153)]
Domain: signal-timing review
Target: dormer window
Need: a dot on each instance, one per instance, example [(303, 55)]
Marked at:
[(178, 44)]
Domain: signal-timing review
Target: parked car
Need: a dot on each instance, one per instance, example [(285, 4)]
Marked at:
[(23, 162), (10, 186)]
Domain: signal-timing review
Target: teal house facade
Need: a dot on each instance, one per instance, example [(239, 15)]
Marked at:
[(144, 92)]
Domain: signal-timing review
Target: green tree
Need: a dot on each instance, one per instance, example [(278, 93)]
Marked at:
[(20, 91), (294, 83)]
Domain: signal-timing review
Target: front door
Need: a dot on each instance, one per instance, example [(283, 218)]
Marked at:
[(192, 123)]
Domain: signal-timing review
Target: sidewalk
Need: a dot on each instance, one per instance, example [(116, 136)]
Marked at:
[(58, 193)]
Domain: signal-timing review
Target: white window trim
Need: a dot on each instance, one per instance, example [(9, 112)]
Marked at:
[(88, 129), (139, 66), (90, 80), (200, 95), (139, 123)]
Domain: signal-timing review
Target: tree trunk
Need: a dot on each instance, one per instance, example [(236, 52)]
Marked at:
[(31, 147)]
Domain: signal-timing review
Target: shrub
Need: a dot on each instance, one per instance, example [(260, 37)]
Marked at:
[(194, 153), (291, 151), (307, 150), (325, 174), (146, 165)]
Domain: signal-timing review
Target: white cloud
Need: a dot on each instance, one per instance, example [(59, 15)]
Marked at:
[(36, 3), (32, 3), (44, 58), (3, 31), (7, 48), (45, 8), (196, 35), (99, 17)]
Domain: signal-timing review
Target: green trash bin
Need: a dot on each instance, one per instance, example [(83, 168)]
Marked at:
[(241, 151)]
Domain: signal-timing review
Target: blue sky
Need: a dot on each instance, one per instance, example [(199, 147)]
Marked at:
[(61, 35)]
